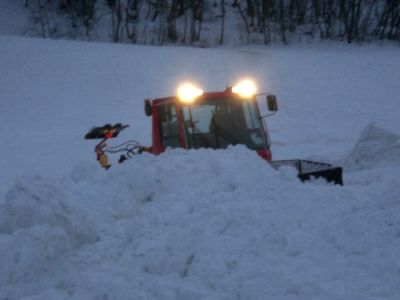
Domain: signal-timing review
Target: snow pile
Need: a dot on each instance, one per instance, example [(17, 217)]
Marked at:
[(376, 146), (38, 201), (199, 224), (27, 254), (38, 227)]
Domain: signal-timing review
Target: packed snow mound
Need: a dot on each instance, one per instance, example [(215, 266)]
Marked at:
[(199, 224), (28, 253), (376, 146), (36, 201), (178, 175)]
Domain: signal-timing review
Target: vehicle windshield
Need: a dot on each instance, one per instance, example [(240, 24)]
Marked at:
[(217, 123)]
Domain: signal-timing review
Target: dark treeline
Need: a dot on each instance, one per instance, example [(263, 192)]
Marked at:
[(190, 21)]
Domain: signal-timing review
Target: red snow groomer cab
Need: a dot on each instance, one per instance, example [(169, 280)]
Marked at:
[(193, 119)]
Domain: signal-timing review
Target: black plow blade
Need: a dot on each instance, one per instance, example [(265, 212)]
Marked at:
[(308, 170)]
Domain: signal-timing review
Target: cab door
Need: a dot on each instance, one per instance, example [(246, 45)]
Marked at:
[(167, 127)]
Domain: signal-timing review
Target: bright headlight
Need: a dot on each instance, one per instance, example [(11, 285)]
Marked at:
[(245, 88), (187, 92)]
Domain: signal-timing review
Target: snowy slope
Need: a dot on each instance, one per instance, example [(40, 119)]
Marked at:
[(197, 224), (14, 18)]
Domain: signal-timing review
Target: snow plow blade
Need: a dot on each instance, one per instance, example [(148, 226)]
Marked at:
[(311, 169)]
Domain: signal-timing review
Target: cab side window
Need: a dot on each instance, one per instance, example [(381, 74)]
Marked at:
[(169, 128)]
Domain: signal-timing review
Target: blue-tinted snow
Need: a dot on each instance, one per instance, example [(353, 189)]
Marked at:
[(197, 224)]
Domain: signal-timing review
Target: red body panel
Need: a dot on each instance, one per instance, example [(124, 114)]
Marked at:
[(265, 153), (158, 147)]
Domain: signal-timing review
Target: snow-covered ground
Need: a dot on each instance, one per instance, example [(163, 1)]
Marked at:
[(14, 18), (197, 224)]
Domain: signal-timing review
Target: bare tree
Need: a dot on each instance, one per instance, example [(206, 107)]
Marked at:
[(183, 20)]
